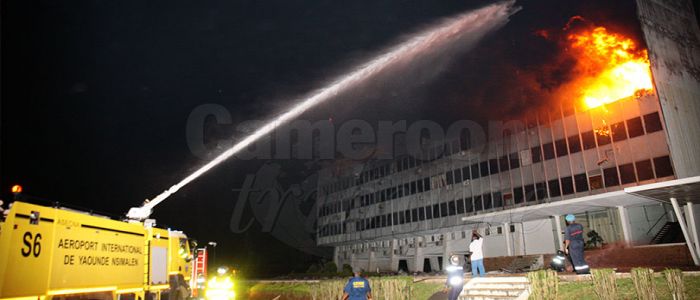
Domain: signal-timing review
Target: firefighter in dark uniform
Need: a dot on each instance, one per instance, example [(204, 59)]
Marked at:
[(573, 241), (455, 278)]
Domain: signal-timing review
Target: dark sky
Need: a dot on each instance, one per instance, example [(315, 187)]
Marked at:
[(96, 94)]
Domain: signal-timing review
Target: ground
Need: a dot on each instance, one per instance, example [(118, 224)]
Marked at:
[(432, 289)]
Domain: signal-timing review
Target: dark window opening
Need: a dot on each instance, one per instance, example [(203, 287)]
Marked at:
[(541, 189), (452, 208), (548, 151), (644, 170), (618, 132), (627, 174), (663, 166), (574, 144), (475, 171), (443, 209), (503, 163), (567, 185), (493, 166), (603, 136), (469, 205), (428, 212), (561, 148), (610, 176), (436, 211), (484, 166), (581, 181), (596, 182), (460, 206), (536, 154), (414, 215), (652, 122), (514, 161), (497, 200), (465, 173), (488, 204), (518, 196), (449, 177), (458, 175), (554, 190), (634, 127), (478, 205), (588, 140), (530, 193)]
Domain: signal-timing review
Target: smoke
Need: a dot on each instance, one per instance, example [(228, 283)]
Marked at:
[(442, 39), (528, 68)]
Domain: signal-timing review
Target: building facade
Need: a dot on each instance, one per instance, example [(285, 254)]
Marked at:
[(410, 214)]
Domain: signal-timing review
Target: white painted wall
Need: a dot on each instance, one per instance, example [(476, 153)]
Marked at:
[(642, 219)]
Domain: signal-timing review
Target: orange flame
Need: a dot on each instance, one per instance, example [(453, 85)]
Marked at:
[(614, 67)]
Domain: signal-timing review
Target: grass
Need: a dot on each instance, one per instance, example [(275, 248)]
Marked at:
[(625, 289), (420, 290), (423, 290)]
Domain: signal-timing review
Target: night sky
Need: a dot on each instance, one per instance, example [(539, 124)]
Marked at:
[(96, 94)]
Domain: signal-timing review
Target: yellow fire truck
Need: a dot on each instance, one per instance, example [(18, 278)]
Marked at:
[(59, 253)]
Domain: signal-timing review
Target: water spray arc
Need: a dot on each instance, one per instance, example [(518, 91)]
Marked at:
[(484, 20)]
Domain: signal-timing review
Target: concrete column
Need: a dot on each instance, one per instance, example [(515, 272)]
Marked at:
[(393, 259), (690, 214), (434, 264), (336, 258), (447, 250), (684, 228), (624, 220), (509, 243), (371, 262), (353, 262), (419, 258), (559, 240)]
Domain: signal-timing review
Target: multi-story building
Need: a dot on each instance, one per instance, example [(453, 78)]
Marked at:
[(621, 169)]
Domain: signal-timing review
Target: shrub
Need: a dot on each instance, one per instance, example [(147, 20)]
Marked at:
[(544, 284), (643, 279), (593, 239), (347, 270), (330, 268), (604, 283), (674, 278)]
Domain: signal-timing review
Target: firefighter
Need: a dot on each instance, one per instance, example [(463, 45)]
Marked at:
[(357, 288), (455, 278), (573, 241)]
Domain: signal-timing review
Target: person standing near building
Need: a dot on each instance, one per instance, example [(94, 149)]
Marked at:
[(477, 254), (357, 288), (573, 241)]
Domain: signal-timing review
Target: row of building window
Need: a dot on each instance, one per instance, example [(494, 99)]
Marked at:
[(610, 177), (587, 140), (619, 132)]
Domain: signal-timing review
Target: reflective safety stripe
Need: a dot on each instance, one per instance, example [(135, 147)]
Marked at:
[(453, 268), (581, 267)]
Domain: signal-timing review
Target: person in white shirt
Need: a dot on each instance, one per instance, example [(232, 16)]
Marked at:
[(477, 256)]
